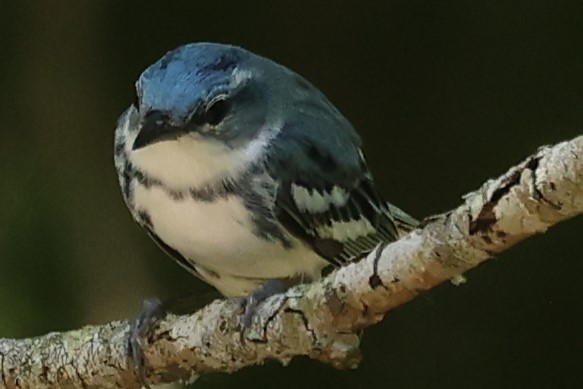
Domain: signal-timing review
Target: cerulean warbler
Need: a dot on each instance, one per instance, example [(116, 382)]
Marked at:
[(243, 171)]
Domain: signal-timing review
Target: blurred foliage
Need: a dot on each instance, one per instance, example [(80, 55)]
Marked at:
[(445, 95)]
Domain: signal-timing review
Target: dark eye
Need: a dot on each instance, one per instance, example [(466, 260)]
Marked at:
[(216, 112)]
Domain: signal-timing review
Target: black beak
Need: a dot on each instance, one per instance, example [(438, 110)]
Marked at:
[(156, 128)]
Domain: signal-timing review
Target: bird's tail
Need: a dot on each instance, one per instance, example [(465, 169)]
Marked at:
[(403, 221)]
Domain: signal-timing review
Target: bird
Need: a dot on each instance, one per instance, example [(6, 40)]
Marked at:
[(245, 173)]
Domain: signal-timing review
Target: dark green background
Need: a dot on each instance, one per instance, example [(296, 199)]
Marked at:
[(445, 94)]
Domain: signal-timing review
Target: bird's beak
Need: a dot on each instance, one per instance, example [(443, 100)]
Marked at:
[(156, 128)]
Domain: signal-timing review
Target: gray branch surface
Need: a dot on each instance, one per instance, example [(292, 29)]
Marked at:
[(320, 320)]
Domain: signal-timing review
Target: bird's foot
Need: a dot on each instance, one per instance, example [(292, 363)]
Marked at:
[(153, 310), (250, 303)]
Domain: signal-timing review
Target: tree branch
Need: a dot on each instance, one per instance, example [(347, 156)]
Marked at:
[(320, 320)]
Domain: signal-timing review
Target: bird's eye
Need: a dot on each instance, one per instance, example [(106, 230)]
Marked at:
[(216, 112)]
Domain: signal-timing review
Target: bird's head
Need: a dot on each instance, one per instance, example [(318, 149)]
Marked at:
[(201, 90), (204, 111)]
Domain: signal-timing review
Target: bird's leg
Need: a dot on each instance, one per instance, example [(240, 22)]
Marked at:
[(267, 289), (261, 293), (154, 310)]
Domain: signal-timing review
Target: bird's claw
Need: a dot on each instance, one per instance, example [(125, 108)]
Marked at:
[(152, 311), (250, 303)]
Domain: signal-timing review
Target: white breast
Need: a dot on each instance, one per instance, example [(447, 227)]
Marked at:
[(219, 236)]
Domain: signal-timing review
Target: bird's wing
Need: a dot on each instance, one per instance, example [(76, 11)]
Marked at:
[(329, 200)]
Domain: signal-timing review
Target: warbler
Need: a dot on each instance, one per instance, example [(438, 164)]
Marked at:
[(245, 173)]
